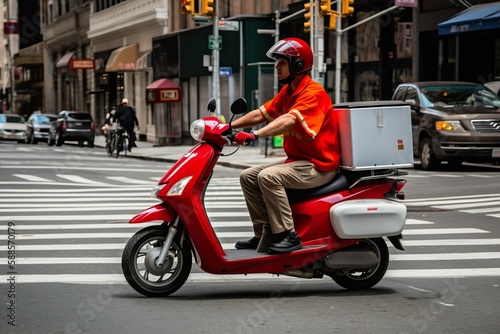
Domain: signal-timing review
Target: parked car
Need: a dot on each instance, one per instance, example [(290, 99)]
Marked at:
[(72, 126), (452, 121), (12, 127), (38, 127), (494, 86)]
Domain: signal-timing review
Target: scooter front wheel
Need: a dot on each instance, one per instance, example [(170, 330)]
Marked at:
[(361, 280), (140, 267)]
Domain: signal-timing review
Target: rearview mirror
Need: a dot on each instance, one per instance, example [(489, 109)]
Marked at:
[(212, 104), (239, 106)]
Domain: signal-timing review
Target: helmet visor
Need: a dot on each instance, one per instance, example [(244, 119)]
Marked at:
[(282, 48)]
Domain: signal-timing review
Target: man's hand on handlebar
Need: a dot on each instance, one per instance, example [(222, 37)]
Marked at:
[(244, 138)]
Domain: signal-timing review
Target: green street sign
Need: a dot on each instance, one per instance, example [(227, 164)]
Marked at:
[(213, 43)]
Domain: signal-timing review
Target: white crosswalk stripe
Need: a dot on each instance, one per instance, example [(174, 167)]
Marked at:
[(70, 225), (474, 204)]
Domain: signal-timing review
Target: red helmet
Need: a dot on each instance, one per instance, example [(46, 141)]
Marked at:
[(297, 51)]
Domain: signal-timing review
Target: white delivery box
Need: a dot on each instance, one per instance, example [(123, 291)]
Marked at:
[(374, 135)]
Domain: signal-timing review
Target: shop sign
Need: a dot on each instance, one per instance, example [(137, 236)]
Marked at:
[(169, 95), (127, 66), (162, 95), (81, 64), (10, 28)]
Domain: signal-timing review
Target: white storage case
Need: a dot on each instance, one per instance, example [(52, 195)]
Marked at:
[(367, 218), (374, 135)]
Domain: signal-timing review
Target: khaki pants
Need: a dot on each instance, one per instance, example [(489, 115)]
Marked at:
[(265, 196)]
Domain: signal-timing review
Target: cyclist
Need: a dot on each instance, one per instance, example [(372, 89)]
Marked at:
[(127, 119)]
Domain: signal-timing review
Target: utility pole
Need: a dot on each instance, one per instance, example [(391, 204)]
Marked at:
[(12, 50), (216, 67), (317, 41)]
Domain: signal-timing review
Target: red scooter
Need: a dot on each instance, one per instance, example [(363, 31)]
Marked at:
[(341, 225)]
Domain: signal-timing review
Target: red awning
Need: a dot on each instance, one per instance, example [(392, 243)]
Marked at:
[(163, 84)]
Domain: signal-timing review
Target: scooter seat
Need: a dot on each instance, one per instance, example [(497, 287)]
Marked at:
[(340, 182)]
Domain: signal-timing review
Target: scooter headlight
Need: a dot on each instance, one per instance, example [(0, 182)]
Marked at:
[(197, 129), (156, 190), (179, 186)]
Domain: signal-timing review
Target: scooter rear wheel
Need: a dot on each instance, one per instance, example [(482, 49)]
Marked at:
[(139, 263), (361, 280)]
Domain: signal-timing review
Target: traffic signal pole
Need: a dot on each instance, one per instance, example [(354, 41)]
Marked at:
[(216, 67), (338, 53), (317, 42)]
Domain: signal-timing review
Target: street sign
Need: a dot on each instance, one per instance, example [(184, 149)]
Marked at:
[(214, 44), (229, 25), (225, 72), (406, 3)]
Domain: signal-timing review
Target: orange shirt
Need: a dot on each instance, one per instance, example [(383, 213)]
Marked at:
[(314, 137)]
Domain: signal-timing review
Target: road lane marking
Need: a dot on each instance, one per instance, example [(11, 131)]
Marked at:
[(90, 226), (116, 235), (396, 257), (114, 246), (78, 179), (30, 177), (103, 217), (444, 231), (204, 277), (74, 191), (445, 256), (128, 180)]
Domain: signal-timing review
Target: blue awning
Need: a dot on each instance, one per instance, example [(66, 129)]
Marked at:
[(479, 17)]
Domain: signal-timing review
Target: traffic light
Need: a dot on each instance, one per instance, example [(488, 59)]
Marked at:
[(307, 17), (332, 23), (207, 7), (325, 7), (187, 7), (347, 8)]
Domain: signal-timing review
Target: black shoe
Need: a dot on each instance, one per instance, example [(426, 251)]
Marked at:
[(289, 243), (248, 244)]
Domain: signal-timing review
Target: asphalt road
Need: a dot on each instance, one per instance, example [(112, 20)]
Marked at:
[(70, 205)]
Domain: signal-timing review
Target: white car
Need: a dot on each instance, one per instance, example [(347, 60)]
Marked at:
[(12, 127)]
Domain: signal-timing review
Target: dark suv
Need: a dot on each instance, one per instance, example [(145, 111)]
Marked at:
[(72, 126), (452, 121)]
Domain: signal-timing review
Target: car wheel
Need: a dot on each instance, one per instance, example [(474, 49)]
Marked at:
[(427, 158), (59, 139), (90, 144)]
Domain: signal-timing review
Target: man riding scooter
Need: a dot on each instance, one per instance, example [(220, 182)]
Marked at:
[(303, 112)]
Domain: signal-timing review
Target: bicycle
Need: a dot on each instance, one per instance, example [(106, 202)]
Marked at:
[(118, 141)]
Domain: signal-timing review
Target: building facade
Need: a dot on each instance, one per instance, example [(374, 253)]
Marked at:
[(95, 52)]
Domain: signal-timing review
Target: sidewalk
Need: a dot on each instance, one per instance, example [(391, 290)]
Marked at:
[(245, 157)]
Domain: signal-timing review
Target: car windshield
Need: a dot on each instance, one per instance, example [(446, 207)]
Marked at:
[(463, 95), (46, 119), (10, 119), (80, 116)]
